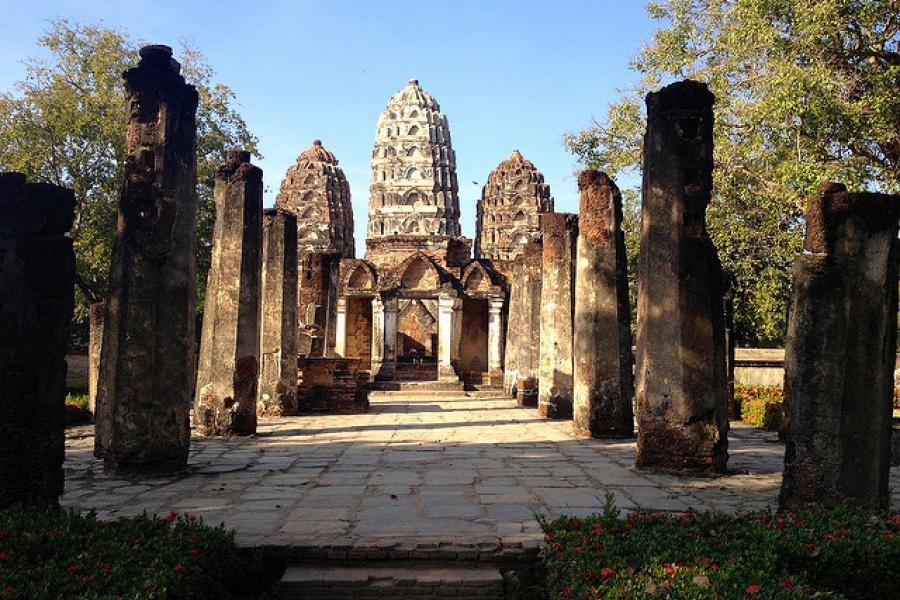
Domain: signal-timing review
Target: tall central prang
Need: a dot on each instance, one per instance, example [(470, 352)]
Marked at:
[(413, 190)]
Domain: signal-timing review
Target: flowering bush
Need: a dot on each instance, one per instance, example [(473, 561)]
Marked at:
[(60, 554), (77, 411), (761, 405), (838, 553)]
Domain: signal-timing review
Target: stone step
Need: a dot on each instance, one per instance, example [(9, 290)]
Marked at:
[(394, 579)]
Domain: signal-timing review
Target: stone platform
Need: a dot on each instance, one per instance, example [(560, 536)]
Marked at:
[(443, 477)]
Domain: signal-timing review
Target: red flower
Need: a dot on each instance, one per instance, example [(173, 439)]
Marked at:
[(105, 567), (714, 568), (895, 519), (9, 591), (170, 518), (787, 583), (577, 549), (597, 545), (556, 546), (753, 588), (4, 555), (180, 569), (669, 568), (195, 552), (889, 536), (606, 573), (567, 591), (705, 560), (72, 569), (598, 529)]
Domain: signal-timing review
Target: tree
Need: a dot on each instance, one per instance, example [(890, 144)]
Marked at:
[(806, 91), (65, 124)]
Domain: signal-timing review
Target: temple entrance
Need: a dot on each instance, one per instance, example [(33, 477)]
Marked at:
[(417, 340), (473, 343), (359, 330)]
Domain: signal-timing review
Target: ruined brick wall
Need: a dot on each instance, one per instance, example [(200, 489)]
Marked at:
[(334, 386), (359, 330), (37, 284), (523, 332)]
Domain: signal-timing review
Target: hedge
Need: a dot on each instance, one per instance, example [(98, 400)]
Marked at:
[(50, 553), (835, 553)]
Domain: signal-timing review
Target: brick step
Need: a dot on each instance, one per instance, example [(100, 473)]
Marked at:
[(389, 579), (416, 387)]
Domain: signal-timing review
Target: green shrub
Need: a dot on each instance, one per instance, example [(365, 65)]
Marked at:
[(838, 553), (761, 405), (77, 411), (60, 554)]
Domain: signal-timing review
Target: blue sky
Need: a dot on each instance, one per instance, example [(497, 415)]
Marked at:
[(507, 74)]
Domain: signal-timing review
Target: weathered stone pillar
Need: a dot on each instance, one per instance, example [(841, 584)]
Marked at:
[(96, 316), (681, 406), (384, 337), (604, 384), (278, 327), (523, 333), (340, 330), (560, 231), (734, 404), (228, 374), (840, 351), (449, 309), (147, 364), (495, 340), (37, 287)]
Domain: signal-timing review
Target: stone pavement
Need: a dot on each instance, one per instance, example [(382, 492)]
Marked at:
[(441, 475)]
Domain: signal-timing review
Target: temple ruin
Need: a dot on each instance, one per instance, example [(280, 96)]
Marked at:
[(316, 192)]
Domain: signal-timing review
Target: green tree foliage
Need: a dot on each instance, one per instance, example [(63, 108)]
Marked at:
[(806, 91), (65, 124)]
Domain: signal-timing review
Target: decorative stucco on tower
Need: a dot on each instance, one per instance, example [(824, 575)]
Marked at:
[(413, 189), (316, 191), (508, 212)]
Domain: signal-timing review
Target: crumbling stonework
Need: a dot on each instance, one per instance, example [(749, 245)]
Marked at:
[(228, 372), (278, 327), (508, 213), (333, 386), (316, 191), (681, 403), (37, 285), (603, 379), (555, 381), (523, 331), (841, 350), (147, 364)]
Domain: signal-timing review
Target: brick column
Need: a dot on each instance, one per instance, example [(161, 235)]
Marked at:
[(840, 352), (682, 410), (37, 287), (278, 327), (560, 231), (228, 374), (147, 364), (603, 381)]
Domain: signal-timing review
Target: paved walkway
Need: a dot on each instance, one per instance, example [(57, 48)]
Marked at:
[(420, 474)]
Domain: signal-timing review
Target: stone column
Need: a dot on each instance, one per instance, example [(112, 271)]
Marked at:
[(681, 405), (840, 351), (495, 339), (148, 360), (228, 373), (448, 317), (37, 287), (96, 316), (523, 333), (278, 327), (560, 231), (734, 404), (604, 384), (384, 337), (340, 330)]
